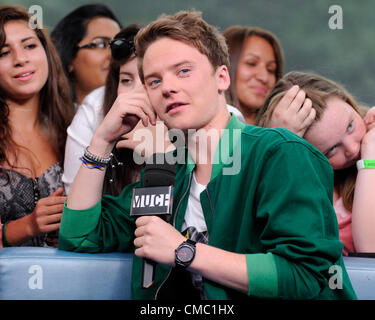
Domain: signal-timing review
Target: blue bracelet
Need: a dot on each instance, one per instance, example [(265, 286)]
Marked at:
[(91, 165)]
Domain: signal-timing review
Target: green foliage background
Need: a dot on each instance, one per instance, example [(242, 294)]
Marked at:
[(346, 55)]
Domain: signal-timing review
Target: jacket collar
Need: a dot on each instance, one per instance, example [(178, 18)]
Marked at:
[(229, 139)]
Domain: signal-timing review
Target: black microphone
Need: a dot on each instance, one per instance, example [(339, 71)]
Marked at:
[(154, 199)]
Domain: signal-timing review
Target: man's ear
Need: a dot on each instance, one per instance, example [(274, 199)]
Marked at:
[(223, 78)]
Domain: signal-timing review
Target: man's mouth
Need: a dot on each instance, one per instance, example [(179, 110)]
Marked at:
[(175, 105)]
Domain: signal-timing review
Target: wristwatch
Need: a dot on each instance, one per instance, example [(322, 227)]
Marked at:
[(185, 253)]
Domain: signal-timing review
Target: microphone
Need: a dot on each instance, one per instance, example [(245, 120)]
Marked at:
[(154, 199)]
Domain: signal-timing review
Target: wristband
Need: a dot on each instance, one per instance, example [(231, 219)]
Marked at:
[(5, 241), (88, 156), (92, 165), (365, 164)]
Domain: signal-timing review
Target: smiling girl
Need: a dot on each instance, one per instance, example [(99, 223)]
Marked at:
[(36, 110), (82, 40), (256, 63)]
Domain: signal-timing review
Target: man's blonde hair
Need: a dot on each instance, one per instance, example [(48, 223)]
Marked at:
[(187, 27)]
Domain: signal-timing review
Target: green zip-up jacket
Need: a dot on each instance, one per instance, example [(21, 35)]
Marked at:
[(276, 208)]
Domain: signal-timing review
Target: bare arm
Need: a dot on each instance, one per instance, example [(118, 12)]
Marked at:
[(224, 267), (80, 133), (125, 113), (157, 240), (363, 216)]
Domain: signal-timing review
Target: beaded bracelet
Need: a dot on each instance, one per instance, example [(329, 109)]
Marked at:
[(96, 159), (91, 165)]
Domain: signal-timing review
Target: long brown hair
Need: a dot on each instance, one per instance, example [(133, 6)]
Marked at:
[(235, 37), (118, 176), (55, 107), (318, 89)]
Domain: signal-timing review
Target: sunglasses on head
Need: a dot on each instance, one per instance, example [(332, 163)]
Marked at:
[(122, 48)]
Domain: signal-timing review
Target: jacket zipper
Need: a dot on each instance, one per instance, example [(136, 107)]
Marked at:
[(173, 224), (209, 198)]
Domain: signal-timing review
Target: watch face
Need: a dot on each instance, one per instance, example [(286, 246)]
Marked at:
[(185, 254)]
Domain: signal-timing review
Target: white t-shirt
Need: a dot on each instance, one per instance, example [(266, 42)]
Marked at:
[(236, 112), (194, 216)]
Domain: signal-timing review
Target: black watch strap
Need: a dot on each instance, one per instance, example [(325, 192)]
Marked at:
[(192, 242)]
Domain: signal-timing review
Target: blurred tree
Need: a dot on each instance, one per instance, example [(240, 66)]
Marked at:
[(309, 44)]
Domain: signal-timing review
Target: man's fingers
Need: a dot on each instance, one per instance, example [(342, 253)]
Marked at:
[(139, 232), (141, 221)]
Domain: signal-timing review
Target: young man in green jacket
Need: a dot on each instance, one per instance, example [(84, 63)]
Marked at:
[(261, 205)]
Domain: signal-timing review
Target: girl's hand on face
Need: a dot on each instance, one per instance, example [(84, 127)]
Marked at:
[(368, 141), (368, 145), (293, 112), (370, 118)]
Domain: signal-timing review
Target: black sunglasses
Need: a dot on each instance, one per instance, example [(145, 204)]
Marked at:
[(122, 48)]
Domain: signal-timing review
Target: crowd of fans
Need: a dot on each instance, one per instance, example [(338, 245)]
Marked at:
[(73, 101)]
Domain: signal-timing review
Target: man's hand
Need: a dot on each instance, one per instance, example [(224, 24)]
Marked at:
[(125, 113), (156, 240)]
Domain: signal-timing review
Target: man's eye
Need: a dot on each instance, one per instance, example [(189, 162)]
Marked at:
[(153, 83)]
